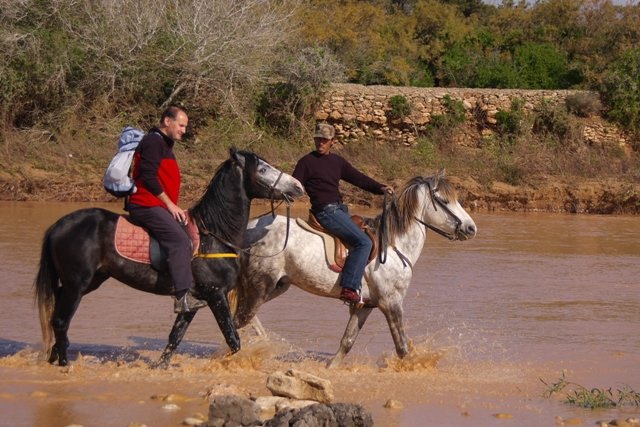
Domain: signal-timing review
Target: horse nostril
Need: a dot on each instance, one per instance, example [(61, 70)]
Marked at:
[(471, 229)]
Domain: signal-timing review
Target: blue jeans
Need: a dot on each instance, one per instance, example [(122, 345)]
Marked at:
[(335, 218)]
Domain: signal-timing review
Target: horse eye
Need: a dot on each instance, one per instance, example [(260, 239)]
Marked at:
[(262, 170), (441, 200)]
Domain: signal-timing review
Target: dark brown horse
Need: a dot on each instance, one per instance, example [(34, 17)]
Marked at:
[(78, 253)]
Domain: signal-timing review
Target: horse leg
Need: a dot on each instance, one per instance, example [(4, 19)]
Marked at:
[(180, 327), (66, 302), (356, 322), (256, 324), (393, 313), (219, 306)]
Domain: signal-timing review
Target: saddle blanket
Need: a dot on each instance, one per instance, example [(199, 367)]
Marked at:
[(133, 242)]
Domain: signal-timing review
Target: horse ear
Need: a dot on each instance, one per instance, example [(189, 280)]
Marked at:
[(237, 158), (437, 177)]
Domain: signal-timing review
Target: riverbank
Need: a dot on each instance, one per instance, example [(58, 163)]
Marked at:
[(529, 177), (565, 195)]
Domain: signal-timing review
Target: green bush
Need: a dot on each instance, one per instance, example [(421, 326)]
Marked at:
[(426, 150), (621, 90), (482, 62), (511, 123), (278, 107), (400, 107), (578, 395), (540, 66), (455, 109), (455, 114)]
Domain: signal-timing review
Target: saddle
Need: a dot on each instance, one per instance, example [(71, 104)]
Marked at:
[(335, 250), (134, 243)]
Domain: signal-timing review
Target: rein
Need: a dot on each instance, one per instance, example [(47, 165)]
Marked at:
[(383, 238), (286, 238), (217, 254), (288, 202)]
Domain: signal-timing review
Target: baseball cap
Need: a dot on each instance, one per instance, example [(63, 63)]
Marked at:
[(325, 131)]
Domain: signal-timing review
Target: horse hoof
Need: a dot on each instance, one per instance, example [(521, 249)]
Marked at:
[(160, 364), (230, 352), (53, 356)]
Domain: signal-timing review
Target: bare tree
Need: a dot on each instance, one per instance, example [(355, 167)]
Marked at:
[(224, 45), (201, 48), (118, 37)]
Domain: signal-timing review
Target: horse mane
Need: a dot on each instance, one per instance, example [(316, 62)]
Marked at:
[(218, 211), (403, 209)]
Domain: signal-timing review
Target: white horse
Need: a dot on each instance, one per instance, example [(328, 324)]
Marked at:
[(271, 267)]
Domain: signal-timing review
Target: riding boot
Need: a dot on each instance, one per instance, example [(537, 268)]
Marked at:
[(351, 296), (187, 303)]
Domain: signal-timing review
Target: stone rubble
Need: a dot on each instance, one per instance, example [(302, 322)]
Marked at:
[(298, 398)]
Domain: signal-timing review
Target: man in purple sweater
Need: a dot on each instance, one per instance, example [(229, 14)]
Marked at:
[(320, 172)]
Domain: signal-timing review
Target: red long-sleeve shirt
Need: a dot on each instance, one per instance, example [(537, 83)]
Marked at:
[(155, 170)]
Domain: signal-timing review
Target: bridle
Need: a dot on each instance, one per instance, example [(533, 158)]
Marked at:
[(287, 200), (435, 201)]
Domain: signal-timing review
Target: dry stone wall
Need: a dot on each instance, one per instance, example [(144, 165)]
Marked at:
[(359, 111)]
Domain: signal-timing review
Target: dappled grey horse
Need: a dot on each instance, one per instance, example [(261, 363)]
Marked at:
[(423, 203)]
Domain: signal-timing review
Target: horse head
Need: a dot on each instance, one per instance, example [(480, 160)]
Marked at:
[(263, 181), (442, 212), (238, 180)]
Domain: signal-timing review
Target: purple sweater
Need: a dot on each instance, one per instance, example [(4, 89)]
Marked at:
[(321, 175)]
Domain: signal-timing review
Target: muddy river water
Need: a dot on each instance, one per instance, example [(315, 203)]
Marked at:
[(532, 298)]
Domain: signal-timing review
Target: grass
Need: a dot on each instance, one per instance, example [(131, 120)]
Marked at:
[(578, 395)]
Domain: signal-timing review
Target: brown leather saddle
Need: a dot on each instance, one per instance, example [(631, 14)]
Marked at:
[(335, 250)]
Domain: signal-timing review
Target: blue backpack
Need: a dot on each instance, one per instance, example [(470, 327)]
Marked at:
[(117, 178)]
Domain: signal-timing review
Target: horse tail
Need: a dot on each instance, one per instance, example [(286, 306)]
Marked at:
[(45, 282), (232, 296)]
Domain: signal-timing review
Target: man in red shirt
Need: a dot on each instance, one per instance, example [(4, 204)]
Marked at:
[(155, 203)]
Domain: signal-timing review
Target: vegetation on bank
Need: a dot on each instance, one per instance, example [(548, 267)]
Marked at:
[(222, 59), (249, 73), (594, 398), (523, 172)]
